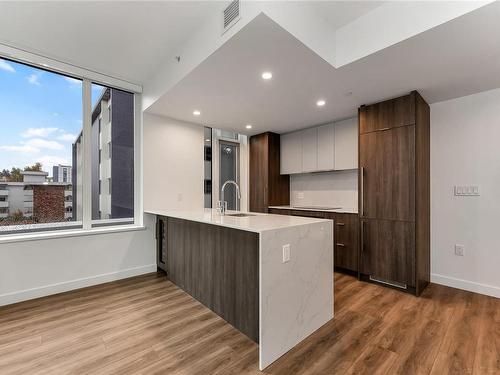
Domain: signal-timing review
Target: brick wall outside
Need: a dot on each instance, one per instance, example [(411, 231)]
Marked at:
[(48, 203)]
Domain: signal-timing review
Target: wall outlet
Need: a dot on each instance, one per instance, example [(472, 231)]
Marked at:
[(459, 250), (179, 197), (300, 195), (286, 253)]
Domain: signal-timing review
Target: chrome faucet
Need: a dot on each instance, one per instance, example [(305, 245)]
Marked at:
[(222, 204)]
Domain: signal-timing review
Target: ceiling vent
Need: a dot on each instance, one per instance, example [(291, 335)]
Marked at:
[(231, 15)]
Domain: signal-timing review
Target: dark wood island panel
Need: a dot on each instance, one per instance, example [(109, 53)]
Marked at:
[(218, 266)]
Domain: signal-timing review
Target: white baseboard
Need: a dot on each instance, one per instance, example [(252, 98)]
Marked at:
[(470, 286), (65, 286)]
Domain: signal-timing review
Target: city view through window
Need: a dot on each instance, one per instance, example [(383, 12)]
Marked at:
[(41, 152)]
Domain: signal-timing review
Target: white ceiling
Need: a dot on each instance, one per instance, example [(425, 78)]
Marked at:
[(452, 60), (127, 40), (340, 13)]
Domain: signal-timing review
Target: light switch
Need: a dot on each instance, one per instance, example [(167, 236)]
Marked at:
[(286, 253), (469, 190)]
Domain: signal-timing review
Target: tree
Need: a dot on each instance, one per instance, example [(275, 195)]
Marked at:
[(5, 174), (15, 175), (37, 167)]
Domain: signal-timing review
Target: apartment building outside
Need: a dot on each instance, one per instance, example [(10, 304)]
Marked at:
[(62, 173), (112, 143), (35, 199)]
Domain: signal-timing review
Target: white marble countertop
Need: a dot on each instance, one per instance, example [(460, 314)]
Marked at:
[(258, 222), (342, 210)]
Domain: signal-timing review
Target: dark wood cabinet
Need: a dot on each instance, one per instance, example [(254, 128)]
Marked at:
[(268, 187), (387, 162), (345, 240), (387, 114), (279, 211), (394, 191), (387, 248), (219, 267)]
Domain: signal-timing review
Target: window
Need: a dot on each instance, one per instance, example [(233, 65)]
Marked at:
[(40, 117), (113, 156), (42, 155)]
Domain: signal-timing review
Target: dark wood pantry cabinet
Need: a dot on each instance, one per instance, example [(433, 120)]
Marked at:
[(394, 192), (267, 186)]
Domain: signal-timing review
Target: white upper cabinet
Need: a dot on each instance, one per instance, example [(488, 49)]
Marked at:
[(291, 153), (323, 148), (310, 150), (346, 144), (326, 147)]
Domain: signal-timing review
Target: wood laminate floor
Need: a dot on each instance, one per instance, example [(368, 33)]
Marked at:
[(146, 325)]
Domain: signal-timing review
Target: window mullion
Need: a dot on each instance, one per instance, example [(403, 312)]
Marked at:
[(87, 155)]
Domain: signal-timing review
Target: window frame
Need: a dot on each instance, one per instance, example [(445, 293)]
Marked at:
[(88, 78)]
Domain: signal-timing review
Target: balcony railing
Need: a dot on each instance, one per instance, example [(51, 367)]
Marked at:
[(4, 204)]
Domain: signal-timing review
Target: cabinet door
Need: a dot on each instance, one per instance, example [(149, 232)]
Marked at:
[(291, 153), (346, 144), (259, 173), (388, 114), (326, 147), (387, 174), (346, 241), (388, 250), (309, 150)]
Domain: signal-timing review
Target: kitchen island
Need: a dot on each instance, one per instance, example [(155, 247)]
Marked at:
[(270, 276)]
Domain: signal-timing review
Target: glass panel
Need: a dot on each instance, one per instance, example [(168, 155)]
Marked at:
[(208, 167), (41, 122), (112, 146), (229, 170)]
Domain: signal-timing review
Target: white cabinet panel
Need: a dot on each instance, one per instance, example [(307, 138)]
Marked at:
[(310, 150), (346, 144), (326, 147), (291, 153)]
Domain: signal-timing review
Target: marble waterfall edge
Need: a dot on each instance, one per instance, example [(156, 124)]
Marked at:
[(296, 297)]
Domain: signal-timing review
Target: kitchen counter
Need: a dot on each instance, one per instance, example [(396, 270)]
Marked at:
[(343, 210), (257, 222), (270, 276)]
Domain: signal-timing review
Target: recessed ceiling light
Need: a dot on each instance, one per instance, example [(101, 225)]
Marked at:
[(248, 126), (267, 75), (196, 113), (320, 103)]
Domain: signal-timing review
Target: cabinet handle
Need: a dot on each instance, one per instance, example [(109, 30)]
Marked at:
[(340, 224), (362, 236), (340, 244), (384, 129), (362, 173)]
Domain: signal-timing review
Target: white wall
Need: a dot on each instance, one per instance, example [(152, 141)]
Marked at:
[(173, 164), (465, 150), (32, 269), (329, 189)]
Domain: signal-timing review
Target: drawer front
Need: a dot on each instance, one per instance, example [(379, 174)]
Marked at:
[(315, 214), (346, 240)]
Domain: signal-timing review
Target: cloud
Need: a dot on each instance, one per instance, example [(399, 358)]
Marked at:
[(4, 65), (39, 143), (26, 149), (67, 137), (48, 161), (34, 79), (38, 132)]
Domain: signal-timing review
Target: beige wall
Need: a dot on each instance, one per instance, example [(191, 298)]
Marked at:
[(173, 164)]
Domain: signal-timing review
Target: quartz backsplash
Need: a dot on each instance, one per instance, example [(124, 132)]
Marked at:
[(327, 189)]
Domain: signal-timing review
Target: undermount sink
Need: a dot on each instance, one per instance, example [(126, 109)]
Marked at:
[(240, 215)]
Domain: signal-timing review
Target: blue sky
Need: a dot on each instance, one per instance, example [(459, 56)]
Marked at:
[(40, 116)]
